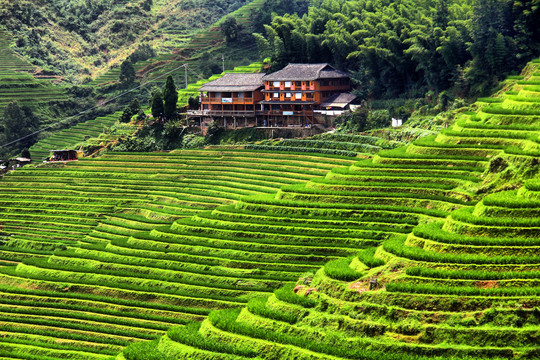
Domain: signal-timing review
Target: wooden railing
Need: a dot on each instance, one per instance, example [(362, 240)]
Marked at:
[(239, 113), (235, 100)]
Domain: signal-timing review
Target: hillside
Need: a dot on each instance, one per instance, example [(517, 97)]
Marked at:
[(88, 38), (206, 52), (456, 270), (17, 82)]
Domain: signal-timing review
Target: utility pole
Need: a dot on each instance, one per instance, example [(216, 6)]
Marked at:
[(185, 68), (223, 60)]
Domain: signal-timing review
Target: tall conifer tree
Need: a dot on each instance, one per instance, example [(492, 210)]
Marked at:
[(170, 96)]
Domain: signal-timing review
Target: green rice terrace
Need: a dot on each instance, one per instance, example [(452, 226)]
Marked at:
[(456, 271), (17, 81), (100, 253), (421, 252), (91, 130)]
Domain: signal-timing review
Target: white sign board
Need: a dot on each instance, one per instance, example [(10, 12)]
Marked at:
[(397, 122)]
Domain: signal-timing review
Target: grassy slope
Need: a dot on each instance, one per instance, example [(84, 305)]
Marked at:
[(461, 281), (208, 40), (17, 81), (113, 32)]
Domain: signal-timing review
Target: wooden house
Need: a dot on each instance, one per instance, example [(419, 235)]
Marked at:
[(292, 95), (232, 100), (65, 155)]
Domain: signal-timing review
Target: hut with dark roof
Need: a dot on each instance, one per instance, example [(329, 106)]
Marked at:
[(292, 95), (337, 104)]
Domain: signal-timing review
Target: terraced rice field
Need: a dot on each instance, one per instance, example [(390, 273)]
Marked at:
[(68, 138), (101, 253), (456, 270), (330, 143), (18, 84)]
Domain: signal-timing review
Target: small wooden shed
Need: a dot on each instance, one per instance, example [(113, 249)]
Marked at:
[(64, 155)]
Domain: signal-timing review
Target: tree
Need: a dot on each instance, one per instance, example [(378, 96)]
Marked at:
[(527, 31), (13, 121), (170, 97), (262, 45), (156, 103), (130, 110), (18, 122), (143, 52), (147, 5), (230, 29), (355, 121), (25, 153), (193, 103), (490, 26), (127, 73)]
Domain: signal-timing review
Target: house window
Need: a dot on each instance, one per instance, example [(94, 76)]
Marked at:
[(276, 84), (298, 83), (298, 96), (287, 84), (276, 95), (288, 95)]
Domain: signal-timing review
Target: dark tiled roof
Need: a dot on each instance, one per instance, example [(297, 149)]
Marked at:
[(235, 82), (339, 100), (305, 72)]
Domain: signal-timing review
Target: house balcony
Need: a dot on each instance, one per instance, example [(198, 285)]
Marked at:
[(231, 100), (222, 113)]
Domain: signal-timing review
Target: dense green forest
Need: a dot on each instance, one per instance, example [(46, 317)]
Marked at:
[(409, 48)]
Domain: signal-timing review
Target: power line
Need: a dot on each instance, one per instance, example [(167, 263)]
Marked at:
[(92, 108), (201, 77)]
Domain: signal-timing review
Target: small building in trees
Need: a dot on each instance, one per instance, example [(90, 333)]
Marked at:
[(231, 100), (293, 94), (65, 155), (337, 104), (14, 163)]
